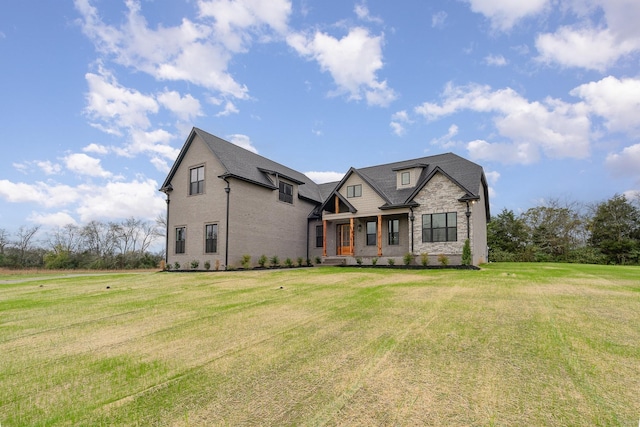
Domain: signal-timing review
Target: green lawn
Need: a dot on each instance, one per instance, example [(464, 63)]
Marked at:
[(512, 344)]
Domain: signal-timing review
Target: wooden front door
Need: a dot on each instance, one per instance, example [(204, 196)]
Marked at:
[(343, 239)]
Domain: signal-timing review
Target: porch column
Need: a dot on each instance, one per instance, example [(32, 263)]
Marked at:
[(324, 238), (351, 236), (379, 235)]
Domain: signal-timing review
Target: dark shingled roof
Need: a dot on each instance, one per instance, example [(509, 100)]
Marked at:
[(248, 166)]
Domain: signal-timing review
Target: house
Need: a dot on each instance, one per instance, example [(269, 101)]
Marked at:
[(224, 202)]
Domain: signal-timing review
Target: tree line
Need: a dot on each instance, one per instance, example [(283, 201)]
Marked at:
[(96, 245), (602, 233)]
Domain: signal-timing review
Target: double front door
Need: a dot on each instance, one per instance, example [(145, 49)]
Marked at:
[(343, 239)]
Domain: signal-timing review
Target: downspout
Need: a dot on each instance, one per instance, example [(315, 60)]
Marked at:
[(166, 190), (468, 214), (226, 244), (411, 218)]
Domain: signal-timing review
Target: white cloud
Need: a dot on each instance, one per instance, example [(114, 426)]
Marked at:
[(57, 219), (229, 108), (398, 121), (322, 177), (496, 60), (153, 143), (353, 61), (557, 128), (625, 163), (48, 167), (96, 148), (362, 12), (243, 141), (438, 19), (504, 14), (185, 107), (48, 195), (85, 165), (616, 100), (445, 140)]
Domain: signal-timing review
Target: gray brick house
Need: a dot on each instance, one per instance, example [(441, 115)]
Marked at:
[(224, 202)]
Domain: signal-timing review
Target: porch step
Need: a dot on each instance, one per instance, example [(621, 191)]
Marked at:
[(332, 261)]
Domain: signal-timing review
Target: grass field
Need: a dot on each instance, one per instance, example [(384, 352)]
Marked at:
[(512, 344)]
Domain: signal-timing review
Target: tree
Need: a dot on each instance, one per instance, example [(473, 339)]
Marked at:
[(4, 240), (615, 229), (23, 244), (506, 233)]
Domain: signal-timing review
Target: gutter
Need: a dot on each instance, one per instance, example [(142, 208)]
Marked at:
[(226, 244)]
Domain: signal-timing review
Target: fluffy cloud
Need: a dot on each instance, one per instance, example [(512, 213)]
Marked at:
[(353, 62), (243, 141), (495, 60), (322, 177), (56, 219), (83, 164), (47, 195), (553, 127), (504, 14), (399, 120), (185, 107), (625, 163)]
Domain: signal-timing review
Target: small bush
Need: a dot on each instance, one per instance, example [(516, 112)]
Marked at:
[(194, 264), (275, 261), (374, 260), (407, 258), (359, 261), (300, 261), (466, 253), (309, 262), (391, 261), (262, 261), (176, 265), (168, 267), (318, 260), (217, 267), (288, 262), (424, 259), (443, 259), (207, 265), (246, 261)]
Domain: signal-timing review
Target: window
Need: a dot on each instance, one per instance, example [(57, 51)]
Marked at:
[(180, 239), (319, 236), (354, 190), (286, 192), (440, 227), (405, 178), (211, 238), (394, 231), (372, 233), (196, 180)]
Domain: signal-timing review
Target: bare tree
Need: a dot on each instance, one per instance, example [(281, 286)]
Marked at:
[(99, 238), (25, 235), (4, 239), (67, 238)]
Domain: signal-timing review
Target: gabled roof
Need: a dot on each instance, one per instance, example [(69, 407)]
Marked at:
[(245, 165), (383, 178)]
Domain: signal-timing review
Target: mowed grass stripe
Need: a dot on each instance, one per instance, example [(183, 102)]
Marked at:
[(508, 345)]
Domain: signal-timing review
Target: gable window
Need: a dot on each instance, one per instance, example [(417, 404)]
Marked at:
[(211, 238), (286, 192), (180, 239), (405, 178), (354, 190), (196, 180), (372, 233), (440, 227), (394, 231), (319, 235)]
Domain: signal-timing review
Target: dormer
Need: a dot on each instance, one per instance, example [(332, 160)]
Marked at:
[(407, 176)]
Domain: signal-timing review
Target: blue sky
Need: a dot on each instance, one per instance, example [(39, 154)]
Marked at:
[(98, 96)]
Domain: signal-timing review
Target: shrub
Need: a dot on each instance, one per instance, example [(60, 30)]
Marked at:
[(309, 262), (207, 265), (288, 262), (246, 261), (407, 258), (275, 261), (300, 261), (374, 260), (391, 261), (424, 259), (262, 260), (168, 267), (359, 261), (466, 253), (318, 260), (443, 259), (194, 264), (217, 267), (176, 265)]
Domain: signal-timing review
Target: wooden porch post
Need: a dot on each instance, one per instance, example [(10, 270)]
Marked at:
[(379, 235), (324, 238), (351, 236)]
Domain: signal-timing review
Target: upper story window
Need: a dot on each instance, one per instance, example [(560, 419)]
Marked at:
[(440, 227), (286, 192), (405, 178), (196, 180), (181, 238), (354, 190)]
